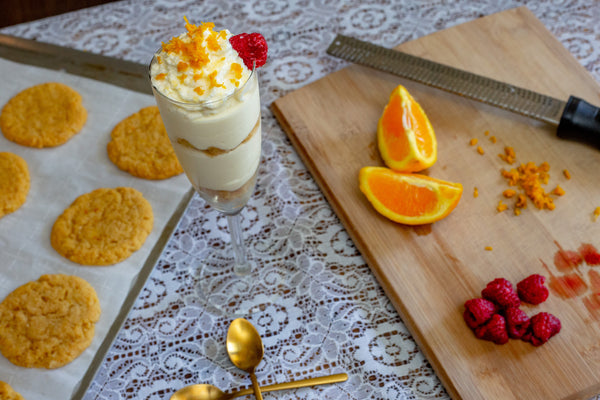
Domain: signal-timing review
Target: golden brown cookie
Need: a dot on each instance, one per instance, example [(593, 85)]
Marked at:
[(49, 322), (14, 182), (140, 145), (8, 393), (103, 227), (44, 115)]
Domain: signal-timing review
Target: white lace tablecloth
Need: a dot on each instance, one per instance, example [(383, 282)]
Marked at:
[(336, 318)]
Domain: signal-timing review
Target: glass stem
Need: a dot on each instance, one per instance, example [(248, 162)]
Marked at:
[(242, 266)]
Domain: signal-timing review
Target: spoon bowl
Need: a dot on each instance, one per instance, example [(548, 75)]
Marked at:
[(244, 346), (245, 349)]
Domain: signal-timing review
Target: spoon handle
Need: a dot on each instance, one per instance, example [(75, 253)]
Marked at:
[(255, 387), (322, 380)]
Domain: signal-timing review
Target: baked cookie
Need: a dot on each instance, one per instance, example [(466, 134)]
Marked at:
[(8, 393), (103, 227), (14, 182), (49, 322), (44, 115), (140, 145)]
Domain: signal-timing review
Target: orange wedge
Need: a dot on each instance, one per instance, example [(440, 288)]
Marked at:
[(411, 199), (405, 136)]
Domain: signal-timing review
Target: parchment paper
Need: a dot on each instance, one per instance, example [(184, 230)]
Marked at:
[(58, 176)]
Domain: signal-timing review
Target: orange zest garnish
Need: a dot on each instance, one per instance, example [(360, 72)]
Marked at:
[(405, 137), (236, 70), (410, 199), (193, 52), (213, 80), (212, 43), (181, 66)]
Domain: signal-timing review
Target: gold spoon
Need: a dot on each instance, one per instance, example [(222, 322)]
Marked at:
[(210, 392), (245, 349)]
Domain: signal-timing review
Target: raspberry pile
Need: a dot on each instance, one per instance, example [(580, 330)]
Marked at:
[(252, 48), (496, 316)]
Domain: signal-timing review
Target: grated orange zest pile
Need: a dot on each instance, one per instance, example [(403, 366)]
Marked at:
[(529, 178), (508, 193)]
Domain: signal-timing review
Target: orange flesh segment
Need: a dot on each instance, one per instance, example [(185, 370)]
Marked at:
[(400, 115), (393, 123), (405, 137), (416, 200), (420, 126)]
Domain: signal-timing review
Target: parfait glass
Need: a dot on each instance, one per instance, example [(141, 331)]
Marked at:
[(218, 143)]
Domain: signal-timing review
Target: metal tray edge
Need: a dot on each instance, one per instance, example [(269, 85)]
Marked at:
[(123, 73)]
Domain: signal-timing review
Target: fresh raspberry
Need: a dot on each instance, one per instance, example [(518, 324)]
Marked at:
[(532, 289), (478, 312), (517, 322), (501, 292), (252, 47), (494, 330), (542, 327)]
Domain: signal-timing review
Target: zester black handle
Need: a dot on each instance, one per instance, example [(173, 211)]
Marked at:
[(580, 121)]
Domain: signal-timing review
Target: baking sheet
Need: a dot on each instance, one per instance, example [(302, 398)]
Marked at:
[(58, 176)]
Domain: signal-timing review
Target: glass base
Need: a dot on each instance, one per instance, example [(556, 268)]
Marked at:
[(228, 291)]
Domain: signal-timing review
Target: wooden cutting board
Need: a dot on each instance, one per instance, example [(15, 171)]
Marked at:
[(428, 272)]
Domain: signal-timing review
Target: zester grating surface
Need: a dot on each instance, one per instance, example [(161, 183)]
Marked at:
[(472, 86)]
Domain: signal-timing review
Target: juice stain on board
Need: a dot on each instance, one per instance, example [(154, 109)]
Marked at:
[(577, 276)]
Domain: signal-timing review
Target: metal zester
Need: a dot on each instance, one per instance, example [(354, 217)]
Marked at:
[(575, 119)]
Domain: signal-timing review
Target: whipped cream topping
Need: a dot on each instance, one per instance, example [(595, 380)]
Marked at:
[(198, 65)]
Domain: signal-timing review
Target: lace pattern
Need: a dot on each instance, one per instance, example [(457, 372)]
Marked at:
[(336, 317)]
